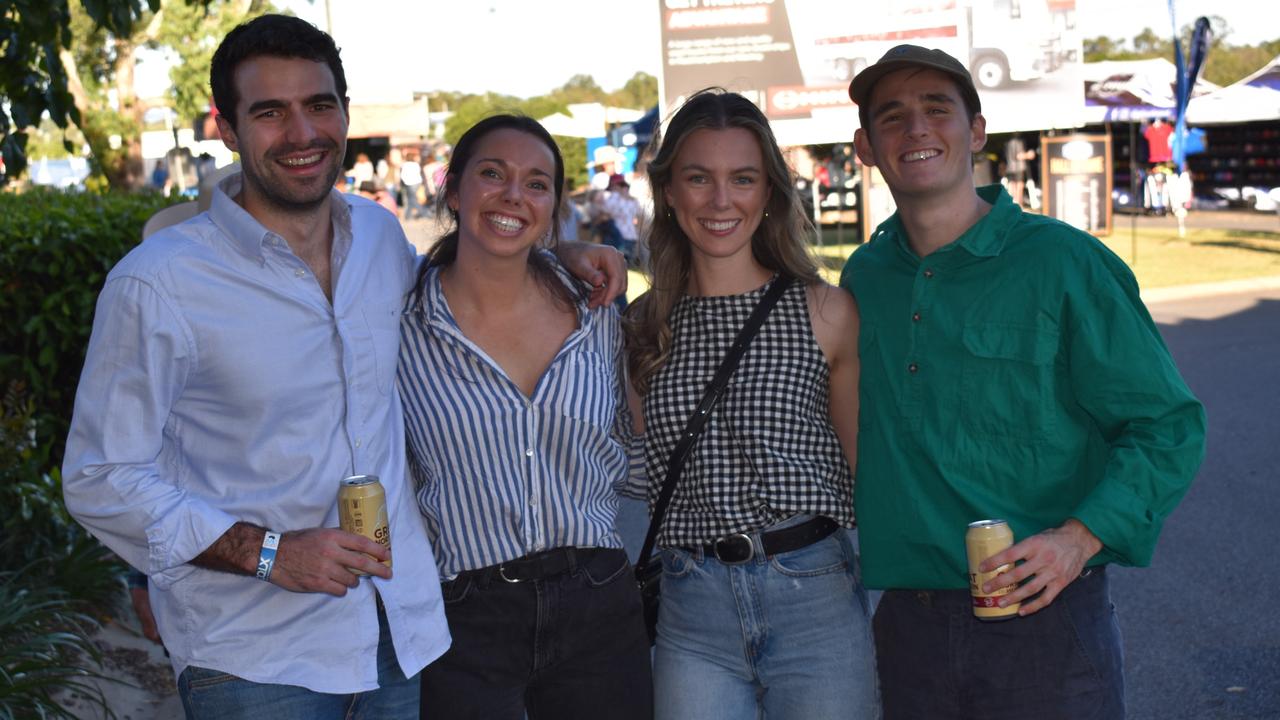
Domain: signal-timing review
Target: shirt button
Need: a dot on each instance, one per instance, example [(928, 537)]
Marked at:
[(912, 368), (928, 272), (358, 441), (528, 453), (300, 272), (915, 317)]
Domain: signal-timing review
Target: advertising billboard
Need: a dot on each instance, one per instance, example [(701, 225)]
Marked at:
[(794, 58)]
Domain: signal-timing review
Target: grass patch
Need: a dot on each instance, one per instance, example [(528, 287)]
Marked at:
[(1162, 258)]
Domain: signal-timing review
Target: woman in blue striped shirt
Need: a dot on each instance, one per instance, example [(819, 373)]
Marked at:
[(518, 432)]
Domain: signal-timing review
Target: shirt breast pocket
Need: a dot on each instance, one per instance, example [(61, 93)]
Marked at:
[(1007, 385), (383, 320), (590, 394)]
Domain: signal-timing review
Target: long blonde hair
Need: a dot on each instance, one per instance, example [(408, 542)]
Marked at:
[(779, 244)]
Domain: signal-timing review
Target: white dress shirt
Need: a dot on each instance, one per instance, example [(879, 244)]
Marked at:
[(222, 385)]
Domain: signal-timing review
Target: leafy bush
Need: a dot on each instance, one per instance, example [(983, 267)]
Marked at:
[(55, 251), (37, 532), (45, 652), (55, 579)]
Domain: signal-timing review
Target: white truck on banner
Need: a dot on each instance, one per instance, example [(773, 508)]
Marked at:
[(795, 58)]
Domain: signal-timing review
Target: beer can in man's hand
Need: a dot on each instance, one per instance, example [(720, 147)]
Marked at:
[(362, 510), (984, 539)]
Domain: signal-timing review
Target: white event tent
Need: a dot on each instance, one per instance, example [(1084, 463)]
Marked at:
[(1254, 98)]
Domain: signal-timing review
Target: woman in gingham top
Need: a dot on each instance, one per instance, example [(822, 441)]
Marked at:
[(518, 433), (762, 609)]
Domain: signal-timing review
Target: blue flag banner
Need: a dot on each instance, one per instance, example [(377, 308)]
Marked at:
[(1188, 71)]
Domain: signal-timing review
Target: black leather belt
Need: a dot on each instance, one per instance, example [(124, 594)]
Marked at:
[(537, 566), (739, 548)]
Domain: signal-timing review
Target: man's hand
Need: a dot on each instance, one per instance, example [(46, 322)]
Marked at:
[(142, 608), (600, 266), (322, 560), (1051, 559)]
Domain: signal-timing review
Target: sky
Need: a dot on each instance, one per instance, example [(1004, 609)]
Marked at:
[(525, 48)]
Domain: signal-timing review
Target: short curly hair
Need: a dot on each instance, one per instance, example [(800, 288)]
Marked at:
[(273, 36)]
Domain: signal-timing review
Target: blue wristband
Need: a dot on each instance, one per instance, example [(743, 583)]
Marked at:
[(267, 560)]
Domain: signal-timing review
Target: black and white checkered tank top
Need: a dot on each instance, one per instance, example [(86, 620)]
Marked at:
[(769, 450)]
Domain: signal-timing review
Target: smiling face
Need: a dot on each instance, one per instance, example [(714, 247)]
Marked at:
[(718, 190), (291, 132), (506, 194), (920, 136)]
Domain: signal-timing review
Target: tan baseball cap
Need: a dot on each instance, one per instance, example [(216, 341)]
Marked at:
[(905, 56)]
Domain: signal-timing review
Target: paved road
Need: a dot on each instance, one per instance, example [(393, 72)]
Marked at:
[(1202, 624)]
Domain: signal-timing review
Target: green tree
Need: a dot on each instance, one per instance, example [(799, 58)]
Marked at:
[(192, 32), (101, 64), (641, 91), (33, 81), (1226, 63), (579, 89)]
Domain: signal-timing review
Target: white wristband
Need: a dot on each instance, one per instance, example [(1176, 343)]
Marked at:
[(267, 559)]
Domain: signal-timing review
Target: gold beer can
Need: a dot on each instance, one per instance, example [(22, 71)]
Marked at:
[(984, 539), (362, 510)]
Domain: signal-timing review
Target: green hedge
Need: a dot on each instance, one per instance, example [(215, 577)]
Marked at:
[(55, 251)]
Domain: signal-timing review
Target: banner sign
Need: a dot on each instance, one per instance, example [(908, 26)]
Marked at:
[(795, 58), (1075, 172)]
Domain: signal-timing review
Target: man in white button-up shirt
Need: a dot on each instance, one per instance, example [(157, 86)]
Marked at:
[(241, 364)]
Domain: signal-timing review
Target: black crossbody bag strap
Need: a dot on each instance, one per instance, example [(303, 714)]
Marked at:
[(702, 413)]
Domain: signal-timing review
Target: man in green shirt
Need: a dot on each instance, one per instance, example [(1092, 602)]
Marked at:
[(1009, 370)]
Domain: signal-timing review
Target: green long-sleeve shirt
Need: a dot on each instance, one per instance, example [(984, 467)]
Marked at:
[(1013, 374)]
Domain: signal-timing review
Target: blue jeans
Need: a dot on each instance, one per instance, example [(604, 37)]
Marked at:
[(937, 660), (213, 695), (571, 646), (781, 637)]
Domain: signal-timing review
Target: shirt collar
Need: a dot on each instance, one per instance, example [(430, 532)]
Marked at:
[(984, 238), (249, 236), (434, 309)]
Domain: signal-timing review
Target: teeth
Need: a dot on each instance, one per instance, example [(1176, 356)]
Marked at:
[(920, 155), (719, 225), (505, 223), (299, 162)]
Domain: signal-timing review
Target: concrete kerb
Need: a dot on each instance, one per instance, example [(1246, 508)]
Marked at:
[(1226, 287)]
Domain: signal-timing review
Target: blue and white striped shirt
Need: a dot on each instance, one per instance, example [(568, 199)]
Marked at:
[(501, 475)]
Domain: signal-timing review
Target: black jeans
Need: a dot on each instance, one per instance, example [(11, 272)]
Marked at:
[(570, 646), (936, 660)]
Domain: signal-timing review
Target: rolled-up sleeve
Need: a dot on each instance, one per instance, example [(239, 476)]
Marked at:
[(1154, 428), (114, 479)]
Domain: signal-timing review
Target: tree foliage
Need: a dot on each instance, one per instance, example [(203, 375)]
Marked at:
[(1226, 63), (85, 76), (33, 81)]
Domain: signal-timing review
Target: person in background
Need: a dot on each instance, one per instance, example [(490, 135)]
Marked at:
[(362, 170), (1009, 371), (411, 186), (369, 189), (1016, 157), (571, 218), (519, 434), (160, 175), (625, 215), (762, 611)]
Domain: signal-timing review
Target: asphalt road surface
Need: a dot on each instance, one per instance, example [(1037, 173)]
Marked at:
[(1202, 624)]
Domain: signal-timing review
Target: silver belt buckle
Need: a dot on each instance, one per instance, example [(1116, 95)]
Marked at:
[(751, 549), (502, 573)]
